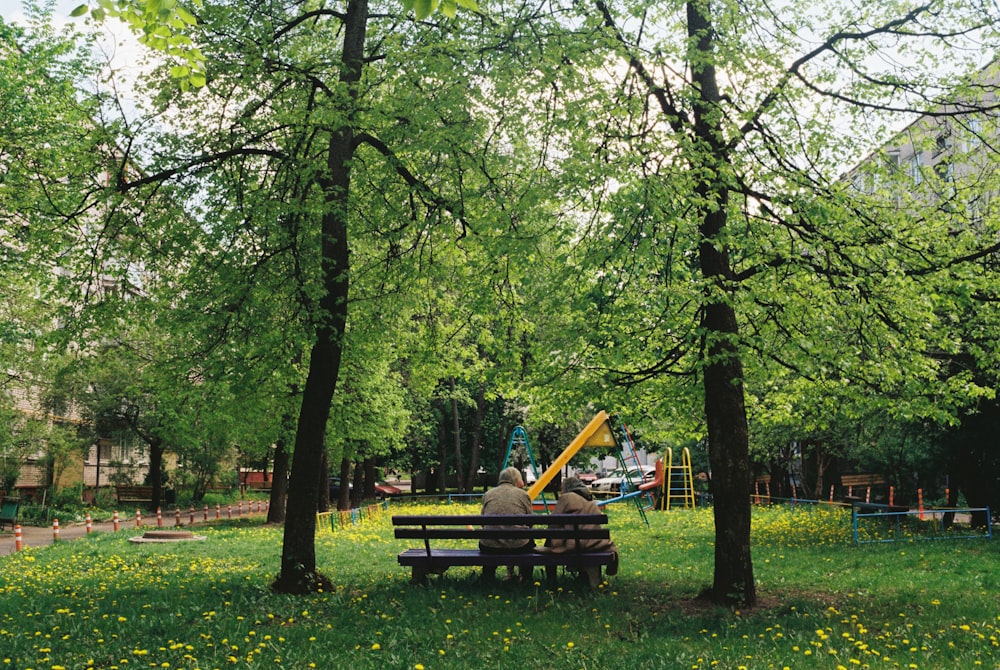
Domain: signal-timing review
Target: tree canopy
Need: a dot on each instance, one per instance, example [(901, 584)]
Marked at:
[(383, 216)]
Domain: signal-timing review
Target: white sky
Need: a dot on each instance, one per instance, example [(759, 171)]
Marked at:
[(117, 42)]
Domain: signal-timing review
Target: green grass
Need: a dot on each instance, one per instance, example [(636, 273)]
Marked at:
[(103, 602)]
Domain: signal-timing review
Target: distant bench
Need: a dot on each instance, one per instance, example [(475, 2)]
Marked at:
[(8, 512), (134, 495), (538, 527), (863, 481)]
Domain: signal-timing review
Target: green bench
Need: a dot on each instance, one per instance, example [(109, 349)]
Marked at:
[(8, 512)]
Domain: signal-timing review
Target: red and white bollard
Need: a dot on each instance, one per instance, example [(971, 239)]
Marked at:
[(114, 520), (267, 506), (191, 515), (89, 526), (138, 517), (18, 540), (218, 511), (240, 508), (831, 492), (920, 503), (206, 512), (55, 530), (229, 511), (892, 495), (177, 516), (159, 518)]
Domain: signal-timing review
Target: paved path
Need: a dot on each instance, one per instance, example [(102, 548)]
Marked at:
[(35, 536)]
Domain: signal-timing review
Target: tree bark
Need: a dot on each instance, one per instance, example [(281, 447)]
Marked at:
[(725, 412), (456, 437), (279, 484), (441, 472), (155, 468), (477, 440), (344, 499), (298, 555)]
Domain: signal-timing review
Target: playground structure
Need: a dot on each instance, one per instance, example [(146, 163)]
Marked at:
[(669, 484), (678, 487)]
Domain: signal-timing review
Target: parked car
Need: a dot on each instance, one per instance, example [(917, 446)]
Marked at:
[(335, 487), (383, 489), (587, 478), (611, 485)]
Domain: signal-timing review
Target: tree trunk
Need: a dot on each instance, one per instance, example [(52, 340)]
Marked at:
[(370, 478), (298, 555), (279, 484), (323, 503), (344, 499), (477, 441), (456, 436), (155, 467), (441, 472), (357, 491), (725, 413)]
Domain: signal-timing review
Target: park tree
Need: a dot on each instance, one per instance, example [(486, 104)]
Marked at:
[(715, 140), (286, 158)]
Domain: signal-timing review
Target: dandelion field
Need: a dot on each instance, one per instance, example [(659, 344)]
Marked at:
[(103, 602)]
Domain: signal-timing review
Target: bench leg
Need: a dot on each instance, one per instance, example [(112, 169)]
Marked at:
[(593, 575), (419, 575)]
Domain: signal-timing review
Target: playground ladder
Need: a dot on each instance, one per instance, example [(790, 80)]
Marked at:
[(629, 459), (678, 482), (518, 439)]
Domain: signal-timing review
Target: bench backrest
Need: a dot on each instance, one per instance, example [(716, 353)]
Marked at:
[(8, 512), (861, 480), (497, 526)]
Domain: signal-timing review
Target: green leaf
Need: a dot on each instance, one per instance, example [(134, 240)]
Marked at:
[(198, 79), (423, 8), (186, 16), (180, 71), (80, 10), (449, 8)]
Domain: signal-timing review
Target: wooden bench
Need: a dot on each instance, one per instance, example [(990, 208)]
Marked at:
[(134, 495), (8, 512), (538, 527), (866, 481)]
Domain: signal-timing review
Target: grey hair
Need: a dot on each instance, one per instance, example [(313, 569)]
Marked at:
[(510, 476)]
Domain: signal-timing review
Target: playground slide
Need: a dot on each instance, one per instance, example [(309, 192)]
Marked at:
[(657, 480), (598, 433)]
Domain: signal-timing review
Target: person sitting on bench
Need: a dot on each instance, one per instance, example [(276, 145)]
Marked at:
[(507, 497), (577, 499)]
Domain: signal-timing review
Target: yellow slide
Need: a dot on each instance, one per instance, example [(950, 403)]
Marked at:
[(598, 433)]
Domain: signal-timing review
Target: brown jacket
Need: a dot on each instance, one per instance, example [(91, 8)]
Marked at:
[(506, 498), (574, 503)]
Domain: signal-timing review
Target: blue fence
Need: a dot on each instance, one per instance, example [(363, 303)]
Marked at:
[(879, 523)]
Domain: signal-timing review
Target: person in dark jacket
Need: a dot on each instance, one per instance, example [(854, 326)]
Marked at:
[(507, 497)]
